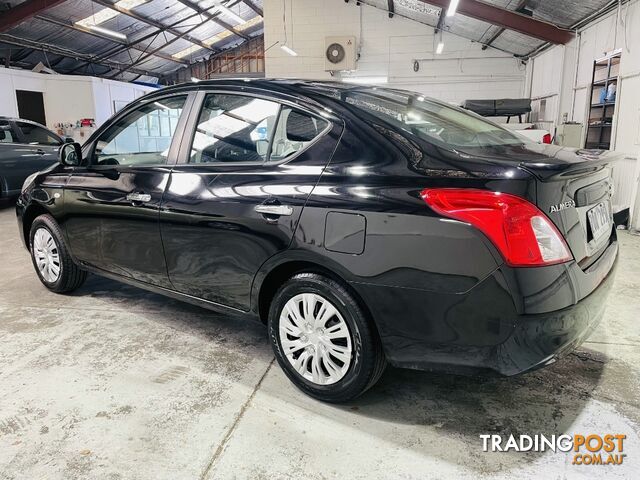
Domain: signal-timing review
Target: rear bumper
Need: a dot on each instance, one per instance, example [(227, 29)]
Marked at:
[(512, 322)]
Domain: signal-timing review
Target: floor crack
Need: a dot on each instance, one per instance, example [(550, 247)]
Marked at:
[(235, 423)]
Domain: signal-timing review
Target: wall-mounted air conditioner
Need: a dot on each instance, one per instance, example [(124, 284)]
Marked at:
[(340, 53)]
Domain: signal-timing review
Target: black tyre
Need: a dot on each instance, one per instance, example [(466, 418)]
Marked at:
[(51, 258), (323, 340)]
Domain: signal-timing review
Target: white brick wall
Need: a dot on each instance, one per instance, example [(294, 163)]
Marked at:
[(388, 48)]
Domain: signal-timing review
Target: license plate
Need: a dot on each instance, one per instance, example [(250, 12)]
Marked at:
[(599, 220)]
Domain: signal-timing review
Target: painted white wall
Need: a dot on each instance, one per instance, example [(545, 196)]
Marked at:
[(552, 73), (388, 48), (67, 98), (107, 92), (563, 75)]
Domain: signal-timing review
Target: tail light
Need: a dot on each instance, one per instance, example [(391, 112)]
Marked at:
[(520, 231), (547, 139)]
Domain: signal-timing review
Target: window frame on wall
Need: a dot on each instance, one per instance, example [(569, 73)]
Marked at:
[(199, 104), (174, 146)]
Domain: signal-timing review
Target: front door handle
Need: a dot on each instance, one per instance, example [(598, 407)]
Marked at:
[(40, 151), (275, 210), (139, 197)]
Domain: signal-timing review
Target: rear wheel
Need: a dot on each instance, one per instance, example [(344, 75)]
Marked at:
[(323, 340), (50, 257)]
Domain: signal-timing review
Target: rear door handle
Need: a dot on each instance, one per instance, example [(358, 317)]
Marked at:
[(276, 210), (139, 197)]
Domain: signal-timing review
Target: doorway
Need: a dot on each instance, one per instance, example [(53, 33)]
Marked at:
[(31, 106)]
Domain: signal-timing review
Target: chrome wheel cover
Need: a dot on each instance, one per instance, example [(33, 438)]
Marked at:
[(46, 255), (315, 338)]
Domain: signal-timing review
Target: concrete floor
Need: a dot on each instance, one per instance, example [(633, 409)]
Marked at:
[(114, 382)]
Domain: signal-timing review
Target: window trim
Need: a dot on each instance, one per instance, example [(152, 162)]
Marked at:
[(176, 140), (191, 129)]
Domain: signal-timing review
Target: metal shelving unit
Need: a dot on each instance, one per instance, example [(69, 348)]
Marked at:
[(602, 113)]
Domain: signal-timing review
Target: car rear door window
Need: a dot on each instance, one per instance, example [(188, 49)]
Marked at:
[(6, 135), (233, 128), (35, 135), (141, 137)]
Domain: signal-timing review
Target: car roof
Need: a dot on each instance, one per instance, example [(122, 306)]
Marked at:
[(311, 89), (23, 120)]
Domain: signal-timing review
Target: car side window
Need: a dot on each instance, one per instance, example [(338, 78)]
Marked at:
[(35, 135), (6, 135), (236, 128), (294, 132), (233, 128), (143, 136)]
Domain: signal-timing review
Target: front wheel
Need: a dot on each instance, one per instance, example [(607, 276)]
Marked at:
[(50, 257), (323, 340)]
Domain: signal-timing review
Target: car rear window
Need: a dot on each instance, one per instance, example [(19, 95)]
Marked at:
[(434, 121)]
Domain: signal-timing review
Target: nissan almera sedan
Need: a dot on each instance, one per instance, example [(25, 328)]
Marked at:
[(362, 225)]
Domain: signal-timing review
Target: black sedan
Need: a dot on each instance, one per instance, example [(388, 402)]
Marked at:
[(363, 225), (25, 147)]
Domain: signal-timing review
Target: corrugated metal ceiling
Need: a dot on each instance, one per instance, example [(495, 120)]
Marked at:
[(60, 40), (563, 13), (46, 31)]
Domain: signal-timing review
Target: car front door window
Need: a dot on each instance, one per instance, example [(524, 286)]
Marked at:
[(143, 136)]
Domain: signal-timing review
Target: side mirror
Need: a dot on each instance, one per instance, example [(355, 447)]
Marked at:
[(71, 154), (69, 140)]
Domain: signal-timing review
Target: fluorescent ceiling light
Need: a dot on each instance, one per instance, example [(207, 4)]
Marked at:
[(105, 14), (107, 32), (227, 11), (366, 80), (439, 48), (453, 6), (289, 50)]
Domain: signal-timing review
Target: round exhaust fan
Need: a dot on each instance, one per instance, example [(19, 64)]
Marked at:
[(335, 53)]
